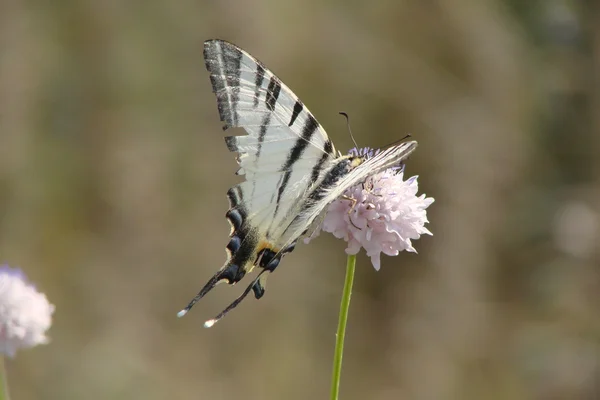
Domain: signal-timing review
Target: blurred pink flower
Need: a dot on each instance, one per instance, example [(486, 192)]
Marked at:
[(382, 215), (25, 313)]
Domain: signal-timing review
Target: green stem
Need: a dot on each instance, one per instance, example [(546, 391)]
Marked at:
[(341, 331), (3, 380)]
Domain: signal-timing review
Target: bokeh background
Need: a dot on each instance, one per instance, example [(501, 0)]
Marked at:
[(113, 174)]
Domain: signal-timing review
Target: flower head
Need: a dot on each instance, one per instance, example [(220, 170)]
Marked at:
[(382, 214), (25, 313)]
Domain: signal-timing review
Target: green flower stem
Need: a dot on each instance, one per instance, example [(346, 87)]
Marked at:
[(341, 331), (3, 380)]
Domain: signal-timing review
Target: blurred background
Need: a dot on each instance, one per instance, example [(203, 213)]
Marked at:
[(113, 174)]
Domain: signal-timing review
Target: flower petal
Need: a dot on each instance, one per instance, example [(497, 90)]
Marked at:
[(384, 217)]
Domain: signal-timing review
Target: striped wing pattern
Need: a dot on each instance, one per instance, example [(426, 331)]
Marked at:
[(342, 177), (291, 168)]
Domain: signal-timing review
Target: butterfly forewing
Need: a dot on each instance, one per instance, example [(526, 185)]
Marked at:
[(285, 149)]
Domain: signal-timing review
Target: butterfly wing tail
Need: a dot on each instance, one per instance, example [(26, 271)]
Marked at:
[(255, 286), (268, 261), (230, 273)]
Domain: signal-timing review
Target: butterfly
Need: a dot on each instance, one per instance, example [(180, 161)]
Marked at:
[(292, 170)]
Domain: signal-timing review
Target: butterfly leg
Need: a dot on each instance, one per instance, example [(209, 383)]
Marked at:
[(368, 186), (353, 201)]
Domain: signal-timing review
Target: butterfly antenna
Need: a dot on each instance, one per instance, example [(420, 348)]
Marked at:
[(235, 303), (396, 141), (349, 130)]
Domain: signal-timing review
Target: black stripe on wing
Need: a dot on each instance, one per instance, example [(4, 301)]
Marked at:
[(310, 127), (297, 108), (330, 180), (224, 64), (316, 171), (260, 76), (272, 92), (264, 125)]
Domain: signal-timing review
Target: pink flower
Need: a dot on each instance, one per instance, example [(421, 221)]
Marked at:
[(382, 215), (25, 313)]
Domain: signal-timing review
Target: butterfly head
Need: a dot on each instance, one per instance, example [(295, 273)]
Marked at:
[(355, 161), (357, 157)]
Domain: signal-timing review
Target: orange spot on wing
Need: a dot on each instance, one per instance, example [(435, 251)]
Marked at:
[(263, 244)]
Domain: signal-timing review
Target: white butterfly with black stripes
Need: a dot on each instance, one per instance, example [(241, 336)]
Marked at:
[(292, 169)]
